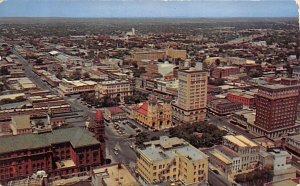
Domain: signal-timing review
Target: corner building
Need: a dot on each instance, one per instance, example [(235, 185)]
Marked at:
[(173, 160), (276, 110), (153, 114), (61, 153)]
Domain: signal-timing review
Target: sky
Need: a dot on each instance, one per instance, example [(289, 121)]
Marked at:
[(148, 8)]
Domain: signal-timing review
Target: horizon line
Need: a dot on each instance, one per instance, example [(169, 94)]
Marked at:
[(146, 17)]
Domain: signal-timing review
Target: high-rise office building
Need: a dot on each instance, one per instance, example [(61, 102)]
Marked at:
[(192, 96), (276, 110)]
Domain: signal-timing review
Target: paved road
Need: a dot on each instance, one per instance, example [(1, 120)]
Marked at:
[(113, 139), (122, 143), (85, 111), (217, 180), (31, 75), (223, 121)]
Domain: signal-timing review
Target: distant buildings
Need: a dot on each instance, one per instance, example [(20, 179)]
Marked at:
[(230, 60), (159, 54), (176, 54), (155, 69), (114, 114), (276, 109), (98, 75), (223, 107), (75, 87), (112, 67), (222, 72), (172, 160), (296, 72), (243, 97), (21, 84), (149, 55), (154, 114), (192, 96), (114, 88), (5, 115)]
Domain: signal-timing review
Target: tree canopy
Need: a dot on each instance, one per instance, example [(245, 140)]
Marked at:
[(210, 134), (255, 177)]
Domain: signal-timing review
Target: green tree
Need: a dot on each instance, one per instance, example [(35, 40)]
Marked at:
[(76, 75), (137, 72), (141, 138), (255, 177), (59, 75), (218, 62), (4, 71), (2, 87), (211, 135), (39, 61), (86, 75)]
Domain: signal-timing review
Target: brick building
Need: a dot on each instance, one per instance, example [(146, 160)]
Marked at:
[(176, 54), (242, 97), (39, 112), (98, 128), (276, 110), (221, 72), (149, 55), (61, 153), (223, 106)]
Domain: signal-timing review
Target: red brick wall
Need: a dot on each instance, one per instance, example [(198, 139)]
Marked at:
[(241, 99)]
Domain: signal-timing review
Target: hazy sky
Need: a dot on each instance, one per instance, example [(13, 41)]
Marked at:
[(148, 8)]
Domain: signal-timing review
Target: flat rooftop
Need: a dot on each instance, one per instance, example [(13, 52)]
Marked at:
[(240, 141), (295, 137), (278, 86), (168, 148), (116, 174), (221, 157), (77, 136), (65, 164)]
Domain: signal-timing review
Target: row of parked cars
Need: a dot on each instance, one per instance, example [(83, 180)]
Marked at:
[(120, 130)]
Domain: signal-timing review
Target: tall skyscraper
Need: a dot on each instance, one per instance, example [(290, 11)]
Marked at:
[(192, 96), (276, 109)]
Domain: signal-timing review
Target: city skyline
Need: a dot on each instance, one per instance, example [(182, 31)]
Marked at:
[(149, 8)]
